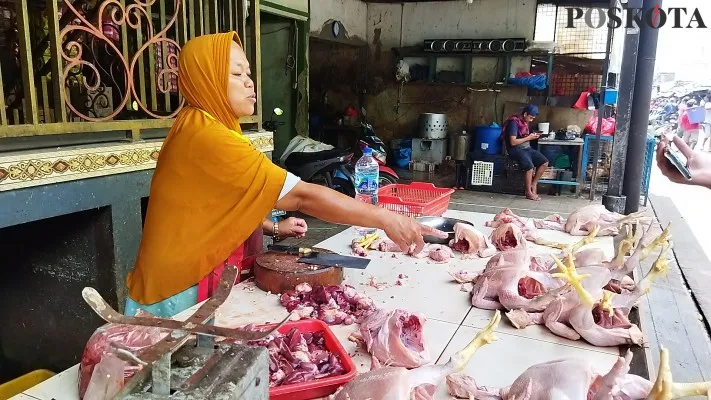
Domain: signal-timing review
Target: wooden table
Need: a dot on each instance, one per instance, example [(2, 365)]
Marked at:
[(451, 320)]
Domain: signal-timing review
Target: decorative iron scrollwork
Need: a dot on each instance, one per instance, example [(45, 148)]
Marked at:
[(111, 16)]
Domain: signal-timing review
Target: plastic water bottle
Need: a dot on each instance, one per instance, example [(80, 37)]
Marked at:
[(367, 175)]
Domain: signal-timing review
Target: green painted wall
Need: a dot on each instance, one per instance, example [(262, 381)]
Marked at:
[(278, 38)]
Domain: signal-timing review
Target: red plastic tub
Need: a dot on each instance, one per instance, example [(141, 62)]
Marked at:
[(319, 387), (416, 199)]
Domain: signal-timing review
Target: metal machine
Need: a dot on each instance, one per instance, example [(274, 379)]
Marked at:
[(184, 366)]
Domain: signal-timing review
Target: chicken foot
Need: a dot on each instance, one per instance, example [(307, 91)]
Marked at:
[(666, 389), (660, 268)]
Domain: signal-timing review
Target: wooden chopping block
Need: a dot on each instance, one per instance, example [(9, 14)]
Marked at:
[(278, 272)]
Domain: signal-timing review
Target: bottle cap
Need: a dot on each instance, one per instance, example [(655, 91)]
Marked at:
[(367, 150)]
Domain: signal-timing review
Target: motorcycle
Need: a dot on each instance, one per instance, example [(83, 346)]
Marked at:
[(316, 165), (344, 181)]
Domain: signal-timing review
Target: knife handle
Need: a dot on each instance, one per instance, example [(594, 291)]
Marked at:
[(296, 251)]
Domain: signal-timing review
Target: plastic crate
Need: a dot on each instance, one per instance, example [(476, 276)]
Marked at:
[(26, 381), (415, 200), (482, 173), (320, 387)]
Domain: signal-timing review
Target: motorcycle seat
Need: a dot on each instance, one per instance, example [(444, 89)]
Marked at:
[(303, 158)]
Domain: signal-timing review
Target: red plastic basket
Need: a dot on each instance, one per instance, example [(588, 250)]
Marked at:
[(319, 387), (416, 199)]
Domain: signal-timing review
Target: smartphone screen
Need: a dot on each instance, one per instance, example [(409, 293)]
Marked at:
[(678, 161)]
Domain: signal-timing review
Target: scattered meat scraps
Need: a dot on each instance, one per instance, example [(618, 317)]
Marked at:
[(379, 286), (437, 252), (299, 357), (334, 305), (388, 246), (464, 276), (395, 338)]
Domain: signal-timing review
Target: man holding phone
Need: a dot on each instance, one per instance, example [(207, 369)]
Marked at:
[(518, 137)]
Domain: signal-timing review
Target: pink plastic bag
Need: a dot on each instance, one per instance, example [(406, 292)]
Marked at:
[(126, 337), (607, 128), (107, 379)]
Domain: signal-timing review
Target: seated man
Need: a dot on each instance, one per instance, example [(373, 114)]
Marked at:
[(517, 138)]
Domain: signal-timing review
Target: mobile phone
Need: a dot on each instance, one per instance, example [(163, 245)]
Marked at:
[(675, 159)]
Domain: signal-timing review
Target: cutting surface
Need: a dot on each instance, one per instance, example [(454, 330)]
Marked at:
[(429, 289), (277, 272)]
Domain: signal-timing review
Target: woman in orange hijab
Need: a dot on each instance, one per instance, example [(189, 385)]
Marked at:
[(212, 189)]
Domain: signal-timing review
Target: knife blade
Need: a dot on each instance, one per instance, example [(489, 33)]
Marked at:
[(309, 256)]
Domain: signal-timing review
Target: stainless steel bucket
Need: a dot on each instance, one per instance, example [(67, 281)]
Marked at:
[(432, 126), (459, 146)]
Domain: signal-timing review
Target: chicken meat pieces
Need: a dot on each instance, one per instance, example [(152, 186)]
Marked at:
[(469, 240), (398, 383), (508, 236), (436, 252), (508, 282), (585, 219), (395, 338)]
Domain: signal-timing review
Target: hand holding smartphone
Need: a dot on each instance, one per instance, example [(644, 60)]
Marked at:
[(675, 159)]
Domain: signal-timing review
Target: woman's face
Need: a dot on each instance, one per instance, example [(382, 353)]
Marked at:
[(240, 88)]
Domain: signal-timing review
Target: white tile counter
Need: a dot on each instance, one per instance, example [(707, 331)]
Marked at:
[(451, 320)]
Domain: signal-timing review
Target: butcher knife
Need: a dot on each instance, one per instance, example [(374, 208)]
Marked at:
[(309, 256)]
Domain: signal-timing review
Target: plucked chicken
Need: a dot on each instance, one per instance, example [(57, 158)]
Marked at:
[(585, 219), (574, 379), (398, 383)]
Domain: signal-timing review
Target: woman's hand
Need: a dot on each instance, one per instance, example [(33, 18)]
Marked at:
[(698, 162), (293, 227), (407, 233)]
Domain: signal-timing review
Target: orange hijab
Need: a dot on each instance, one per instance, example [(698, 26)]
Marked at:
[(211, 189)]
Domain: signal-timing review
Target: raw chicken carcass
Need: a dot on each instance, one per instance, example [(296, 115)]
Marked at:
[(398, 383), (607, 321), (468, 240), (585, 219), (530, 232), (573, 379), (395, 338), (613, 331), (508, 237), (508, 282)]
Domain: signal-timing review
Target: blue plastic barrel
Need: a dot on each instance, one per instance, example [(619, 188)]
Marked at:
[(487, 139)]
